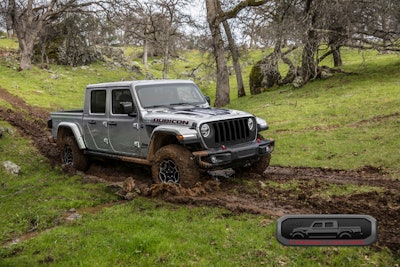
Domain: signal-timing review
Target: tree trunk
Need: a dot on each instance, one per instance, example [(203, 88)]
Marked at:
[(9, 26), (9, 16), (26, 50), (308, 63), (145, 51), (223, 89), (165, 61), (308, 66), (27, 30), (337, 56), (235, 58)]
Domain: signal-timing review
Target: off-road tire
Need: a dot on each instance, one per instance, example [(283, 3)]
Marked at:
[(174, 164), (72, 156), (259, 166)]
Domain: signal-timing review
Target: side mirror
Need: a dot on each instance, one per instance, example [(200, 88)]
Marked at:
[(208, 99), (127, 108)]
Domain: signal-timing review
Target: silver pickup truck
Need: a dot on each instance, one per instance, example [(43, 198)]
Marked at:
[(167, 124), (326, 229)]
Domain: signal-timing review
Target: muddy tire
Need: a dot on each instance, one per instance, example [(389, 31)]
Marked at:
[(72, 156), (174, 164), (258, 166), (262, 164)]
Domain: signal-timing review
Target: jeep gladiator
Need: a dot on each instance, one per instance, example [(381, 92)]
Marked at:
[(166, 124), (326, 229)]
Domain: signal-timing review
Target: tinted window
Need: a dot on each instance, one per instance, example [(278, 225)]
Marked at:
[(329, 224), (119, 96), (317, 225), (98, 101)]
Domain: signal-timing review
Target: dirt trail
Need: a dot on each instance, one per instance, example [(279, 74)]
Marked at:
[(252, 193)]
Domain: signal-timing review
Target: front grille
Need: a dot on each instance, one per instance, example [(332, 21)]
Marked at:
[(229, 132)]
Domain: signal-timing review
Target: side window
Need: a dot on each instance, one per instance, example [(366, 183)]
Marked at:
[(119, 96), (329, 224), (98, 101), (317, 225)]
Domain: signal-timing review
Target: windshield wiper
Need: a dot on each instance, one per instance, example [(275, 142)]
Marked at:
[(176, 104), (158, 106), (181, 104)]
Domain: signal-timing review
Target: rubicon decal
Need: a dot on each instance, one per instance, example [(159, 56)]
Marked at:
[(326, 230), (180, 122)]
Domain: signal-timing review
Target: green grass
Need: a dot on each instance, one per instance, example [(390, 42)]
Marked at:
[(36, 198), (153, 233), (345, 122)]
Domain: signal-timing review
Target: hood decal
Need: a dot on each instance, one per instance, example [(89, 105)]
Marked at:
[(169, 121)]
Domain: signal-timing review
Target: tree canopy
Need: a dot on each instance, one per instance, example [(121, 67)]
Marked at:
[(164, 26)]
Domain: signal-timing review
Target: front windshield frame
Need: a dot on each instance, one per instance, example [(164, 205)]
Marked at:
[(169, 94)]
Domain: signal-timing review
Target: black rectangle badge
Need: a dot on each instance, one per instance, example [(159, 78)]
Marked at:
[(326, 230)]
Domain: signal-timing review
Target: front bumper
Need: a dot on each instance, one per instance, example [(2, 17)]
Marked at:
[(238, 155)]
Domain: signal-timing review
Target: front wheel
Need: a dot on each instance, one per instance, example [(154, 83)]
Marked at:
[(174, 164), (259, 166), (298, 235), (72, 156)]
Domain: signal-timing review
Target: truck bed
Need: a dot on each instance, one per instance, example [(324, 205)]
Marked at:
[(72, 116)]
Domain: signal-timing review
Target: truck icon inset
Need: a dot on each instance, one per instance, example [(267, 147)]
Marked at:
[(326, 229)]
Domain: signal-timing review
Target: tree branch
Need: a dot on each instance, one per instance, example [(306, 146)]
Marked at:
[(239, 7)]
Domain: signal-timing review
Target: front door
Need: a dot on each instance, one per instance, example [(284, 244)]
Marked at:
[(123, 129)]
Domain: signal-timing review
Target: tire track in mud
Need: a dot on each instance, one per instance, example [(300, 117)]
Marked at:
[(31, 122), (250, 193)]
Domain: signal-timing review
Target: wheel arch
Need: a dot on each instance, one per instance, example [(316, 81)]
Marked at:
[(345, 234), (66, 129), (164, 135), (160, 139)]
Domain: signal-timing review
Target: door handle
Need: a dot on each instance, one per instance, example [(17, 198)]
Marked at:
[(112, 123), (92, 122)]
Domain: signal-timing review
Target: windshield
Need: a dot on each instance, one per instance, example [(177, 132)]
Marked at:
[(160, 95)]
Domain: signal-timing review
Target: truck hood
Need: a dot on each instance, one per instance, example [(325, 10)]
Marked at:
[(188, 116)]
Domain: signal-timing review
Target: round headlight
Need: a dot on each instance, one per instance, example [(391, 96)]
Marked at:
[(205, 130), (250, 124)]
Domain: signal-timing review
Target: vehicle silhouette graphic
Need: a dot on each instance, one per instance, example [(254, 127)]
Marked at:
[(326, 229)]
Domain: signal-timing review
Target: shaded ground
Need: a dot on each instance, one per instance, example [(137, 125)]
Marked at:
[(281, 190)]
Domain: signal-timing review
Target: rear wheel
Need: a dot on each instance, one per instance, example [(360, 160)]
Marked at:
[(72, 156), (174, 164), (345, 235)]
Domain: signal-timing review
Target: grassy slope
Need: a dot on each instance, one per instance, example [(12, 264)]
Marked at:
[(347, 121), (149, 232)]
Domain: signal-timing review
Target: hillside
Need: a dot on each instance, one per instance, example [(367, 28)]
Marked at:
[(337, 152), (345, 122)]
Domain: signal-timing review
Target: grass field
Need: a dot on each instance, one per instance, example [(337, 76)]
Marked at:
[(345, 122)]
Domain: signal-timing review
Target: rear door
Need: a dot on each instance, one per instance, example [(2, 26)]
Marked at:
[(95, 121)]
